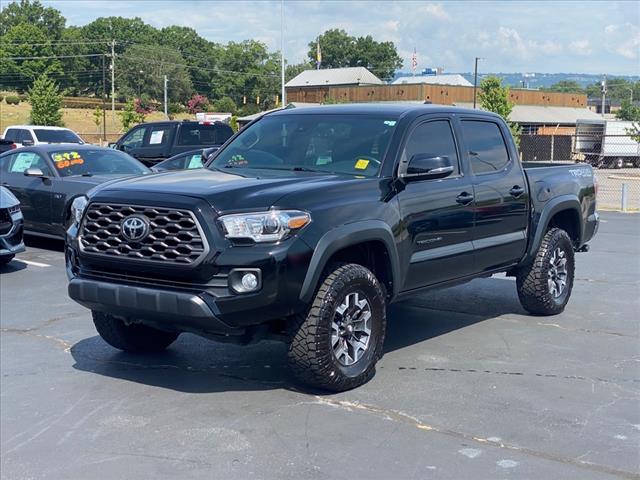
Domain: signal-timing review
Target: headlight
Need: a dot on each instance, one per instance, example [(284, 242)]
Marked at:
[(77, 208), (270, 226)]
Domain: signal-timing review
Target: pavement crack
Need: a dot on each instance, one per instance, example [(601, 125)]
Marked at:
[(30, 332), (414, 422)]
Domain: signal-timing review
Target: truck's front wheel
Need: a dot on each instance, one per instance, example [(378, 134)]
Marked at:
[(336, 345), (545, 283), (135, 337)]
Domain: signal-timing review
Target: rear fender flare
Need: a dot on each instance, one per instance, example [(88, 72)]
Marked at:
[(555, 205)]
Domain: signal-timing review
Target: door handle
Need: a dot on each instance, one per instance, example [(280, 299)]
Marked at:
[(464, 198), (516, 191)]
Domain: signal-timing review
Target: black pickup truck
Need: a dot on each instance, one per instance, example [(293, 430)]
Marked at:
[(154, 142), (306, 225)]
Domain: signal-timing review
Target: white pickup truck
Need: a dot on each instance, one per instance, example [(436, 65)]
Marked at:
[(30, 135)]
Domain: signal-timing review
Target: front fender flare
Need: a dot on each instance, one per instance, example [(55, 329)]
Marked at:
[(345, 236)]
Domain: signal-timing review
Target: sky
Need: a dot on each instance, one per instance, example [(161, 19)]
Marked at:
[(510, 36)]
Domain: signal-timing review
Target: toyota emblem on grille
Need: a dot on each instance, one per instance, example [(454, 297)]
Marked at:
[(135, 228)]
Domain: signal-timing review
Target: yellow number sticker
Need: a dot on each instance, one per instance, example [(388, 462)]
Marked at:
[(362, 164)]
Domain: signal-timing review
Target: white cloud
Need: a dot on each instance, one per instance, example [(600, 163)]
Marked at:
[(580, 47), (431, 9)]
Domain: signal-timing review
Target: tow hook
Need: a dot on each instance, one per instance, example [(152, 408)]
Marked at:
[(583, 248)]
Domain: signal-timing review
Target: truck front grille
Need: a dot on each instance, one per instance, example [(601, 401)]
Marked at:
[(174, 236)]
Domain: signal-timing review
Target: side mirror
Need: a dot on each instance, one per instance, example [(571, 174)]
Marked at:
[(34, 172), (425, 166), (112, 145), (27, 143)]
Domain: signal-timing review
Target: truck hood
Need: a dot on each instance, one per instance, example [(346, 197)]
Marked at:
[(223, 191)]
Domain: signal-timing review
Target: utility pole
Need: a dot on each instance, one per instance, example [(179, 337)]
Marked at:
[(104, 100), (113, 80), (603, 87), (283, 93), (165, 96), (475, 82)]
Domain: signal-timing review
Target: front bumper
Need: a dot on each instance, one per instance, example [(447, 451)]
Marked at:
[(172, 310), (12, 242)]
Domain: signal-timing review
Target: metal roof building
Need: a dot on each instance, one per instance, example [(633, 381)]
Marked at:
[(453, 79), (350, 76)]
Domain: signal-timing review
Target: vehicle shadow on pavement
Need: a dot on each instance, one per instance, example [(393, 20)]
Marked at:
[(196, 365), (11, 267)]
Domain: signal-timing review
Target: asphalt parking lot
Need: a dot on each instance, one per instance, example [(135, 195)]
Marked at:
[(470, 387)]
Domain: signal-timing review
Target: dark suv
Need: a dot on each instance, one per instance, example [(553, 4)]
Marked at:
[(307, 224), (154, 142)]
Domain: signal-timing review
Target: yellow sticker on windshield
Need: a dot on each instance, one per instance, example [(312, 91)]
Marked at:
[(362, 164), (66, 159)]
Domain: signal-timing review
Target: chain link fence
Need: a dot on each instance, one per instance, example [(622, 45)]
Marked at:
[(615, 157)]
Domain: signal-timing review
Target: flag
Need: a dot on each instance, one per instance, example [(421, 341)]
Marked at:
[(414, 61), (318, 55)]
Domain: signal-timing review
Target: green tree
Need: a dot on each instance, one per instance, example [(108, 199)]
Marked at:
[(46, 100), (46, 19), (143, 69), (97, 117), (494, 97), (247, 69), (339, 49), (566, 86), (628, 112), (224, 105), (129, 116), (19, 74)]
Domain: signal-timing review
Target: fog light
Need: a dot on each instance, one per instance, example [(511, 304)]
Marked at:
[(245, 280), (249, 281)]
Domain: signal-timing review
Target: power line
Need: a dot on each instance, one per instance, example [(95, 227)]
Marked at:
[(55, 56)]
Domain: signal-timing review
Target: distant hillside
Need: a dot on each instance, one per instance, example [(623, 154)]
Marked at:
[(539, 80)]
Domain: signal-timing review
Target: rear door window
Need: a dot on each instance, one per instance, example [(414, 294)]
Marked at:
[(204, 134), (487, 149), (25, 135), (158, 136)]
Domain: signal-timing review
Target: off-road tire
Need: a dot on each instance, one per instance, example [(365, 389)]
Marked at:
[(310, 354), (532, 279), (134, 338), (6, 259)]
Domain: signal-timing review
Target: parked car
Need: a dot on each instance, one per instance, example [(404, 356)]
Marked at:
[(307, 224), (31, 135), (11, 226), (6, 145), (186, 161), (47, 178), (151, 143)]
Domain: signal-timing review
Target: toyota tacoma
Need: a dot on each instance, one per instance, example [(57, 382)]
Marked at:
[(306, 225)]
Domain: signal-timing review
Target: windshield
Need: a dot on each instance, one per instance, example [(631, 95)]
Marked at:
[(56, 136), (93, 162), (347, 144)]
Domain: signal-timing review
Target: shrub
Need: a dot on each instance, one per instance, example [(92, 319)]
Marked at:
[(12, 100), (224, 105)]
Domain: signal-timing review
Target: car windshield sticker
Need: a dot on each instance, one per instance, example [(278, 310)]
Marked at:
[(238, 160), (195, 161), (390, 123), (66, 159), (362, 164), (23, 162)]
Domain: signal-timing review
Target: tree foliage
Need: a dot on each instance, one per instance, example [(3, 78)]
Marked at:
[(566, 86), (339, 49), (46, 19), (46, 100), (628, 112), (144, 68), (494, 97)]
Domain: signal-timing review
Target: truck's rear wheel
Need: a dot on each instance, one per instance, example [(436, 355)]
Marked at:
[(545, 283), (337, 344), (135, 337)]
